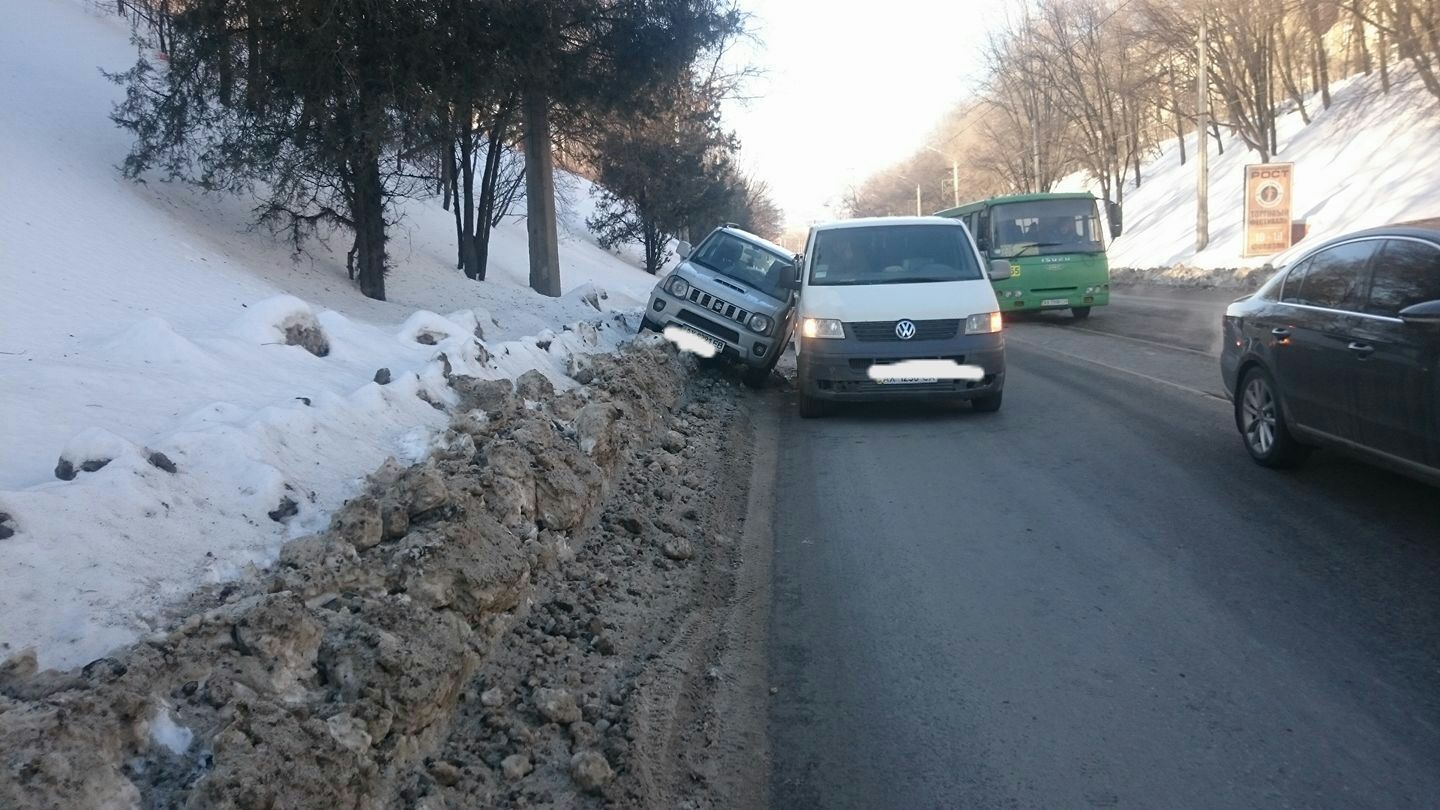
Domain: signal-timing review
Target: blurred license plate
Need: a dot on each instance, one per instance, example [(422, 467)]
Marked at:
[(909, 380), (716, 342), (1055, 302)]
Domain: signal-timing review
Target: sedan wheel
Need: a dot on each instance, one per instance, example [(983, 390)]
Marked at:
[(1262, 422)]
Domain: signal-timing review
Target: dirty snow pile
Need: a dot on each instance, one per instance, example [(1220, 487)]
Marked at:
[(178, 394), (1369, 160)]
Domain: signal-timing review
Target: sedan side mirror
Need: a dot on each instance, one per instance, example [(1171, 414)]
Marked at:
[(1426, 314), (683, 249), (1000, 269), (1117, 219)]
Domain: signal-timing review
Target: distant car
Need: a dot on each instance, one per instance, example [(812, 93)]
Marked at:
[(732, 291), (1342, 349)]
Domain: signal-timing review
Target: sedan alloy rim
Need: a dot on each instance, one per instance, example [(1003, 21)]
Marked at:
[(1258, 417)]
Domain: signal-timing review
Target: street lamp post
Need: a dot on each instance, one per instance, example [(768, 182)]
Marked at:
[(954, 172)]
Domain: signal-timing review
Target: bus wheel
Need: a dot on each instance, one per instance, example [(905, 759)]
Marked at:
[(1080, 313)]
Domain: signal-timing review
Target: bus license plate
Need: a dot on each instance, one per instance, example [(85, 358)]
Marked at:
[(909, 381), (1055, 302)]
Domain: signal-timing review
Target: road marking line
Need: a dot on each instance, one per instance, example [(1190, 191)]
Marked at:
[(1137, 340), (1175, 385)]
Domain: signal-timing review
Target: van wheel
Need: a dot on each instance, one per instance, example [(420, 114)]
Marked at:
[(812, 408), (1080, 313), (756, 377), (990, 403), (1261, 420)]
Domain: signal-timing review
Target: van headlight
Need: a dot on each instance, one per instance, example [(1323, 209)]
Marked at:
[(678, 287), (822, 328), (760, 323), (985, 323)]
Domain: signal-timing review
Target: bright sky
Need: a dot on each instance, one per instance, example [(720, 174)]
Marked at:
[(851, 87)]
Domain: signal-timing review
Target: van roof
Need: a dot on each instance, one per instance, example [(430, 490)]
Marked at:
[(876, 222)]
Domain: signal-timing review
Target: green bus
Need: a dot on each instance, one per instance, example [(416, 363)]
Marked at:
[(1054, 244)]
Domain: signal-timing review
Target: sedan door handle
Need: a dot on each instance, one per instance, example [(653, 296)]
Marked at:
[(1362, 349)]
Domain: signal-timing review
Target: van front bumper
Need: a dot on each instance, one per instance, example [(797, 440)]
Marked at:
[(839, 370)]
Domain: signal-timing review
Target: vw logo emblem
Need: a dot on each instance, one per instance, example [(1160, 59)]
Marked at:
[(905, 330)]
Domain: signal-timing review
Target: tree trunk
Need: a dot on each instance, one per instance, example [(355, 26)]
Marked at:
[(369, 218), (540, 198), (466, 200), (1383, 47), (1215, 133)]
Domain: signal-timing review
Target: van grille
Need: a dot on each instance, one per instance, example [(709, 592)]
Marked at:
[(877, 331)]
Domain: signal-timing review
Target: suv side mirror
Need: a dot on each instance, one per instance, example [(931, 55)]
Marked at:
[(1426, 314), (683, 249), (1117, 219), (1000, 269), (791, 280)]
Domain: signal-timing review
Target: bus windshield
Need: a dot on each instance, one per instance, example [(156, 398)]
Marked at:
[(1045, 227), (892, 254)]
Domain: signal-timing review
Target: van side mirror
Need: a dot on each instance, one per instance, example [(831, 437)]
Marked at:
[(1117, 219), (1426, 314), (1000, 269), (683, 249)]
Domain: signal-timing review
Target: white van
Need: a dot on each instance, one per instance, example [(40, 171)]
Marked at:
[(898, 308)]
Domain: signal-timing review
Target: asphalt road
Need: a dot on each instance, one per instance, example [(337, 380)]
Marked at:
[(1094, 599)]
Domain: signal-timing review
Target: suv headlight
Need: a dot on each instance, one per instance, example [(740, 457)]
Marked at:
[(983, 324), (678, 287), (760, 323), (825, 328)]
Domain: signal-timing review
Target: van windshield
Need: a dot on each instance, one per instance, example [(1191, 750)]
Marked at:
[(892, 254)]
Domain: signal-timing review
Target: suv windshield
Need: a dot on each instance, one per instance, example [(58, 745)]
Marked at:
[(731, 256), (892, 254), (1045, 227)]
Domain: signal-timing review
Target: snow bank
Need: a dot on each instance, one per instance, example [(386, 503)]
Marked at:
[(1369, 160), (231, 391)]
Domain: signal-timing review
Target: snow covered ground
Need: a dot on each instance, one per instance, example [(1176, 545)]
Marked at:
[(137, 319), (1371, 159)]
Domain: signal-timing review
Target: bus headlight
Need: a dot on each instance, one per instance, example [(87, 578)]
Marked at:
[(678, 287), (985, 323), (823, 328), (760, 323)]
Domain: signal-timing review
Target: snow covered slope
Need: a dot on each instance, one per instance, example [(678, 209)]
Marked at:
[(1371, 159), (143, 318)]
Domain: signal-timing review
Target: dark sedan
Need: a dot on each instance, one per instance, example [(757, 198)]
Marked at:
[(1341, 349)]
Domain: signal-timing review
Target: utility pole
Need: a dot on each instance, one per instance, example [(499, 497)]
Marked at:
[(919, 212), (955, 179), (1035, 151), (1202, 126)]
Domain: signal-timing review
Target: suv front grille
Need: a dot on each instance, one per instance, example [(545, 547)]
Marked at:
[(877, 331), (724, 309)]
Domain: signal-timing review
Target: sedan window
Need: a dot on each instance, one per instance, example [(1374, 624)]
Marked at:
[(1406, 273), (1333, 278)]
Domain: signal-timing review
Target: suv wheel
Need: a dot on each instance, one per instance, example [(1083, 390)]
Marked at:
[(1261, 421)]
